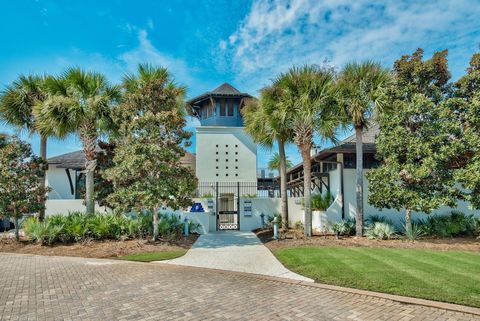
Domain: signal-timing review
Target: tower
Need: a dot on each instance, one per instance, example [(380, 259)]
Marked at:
[(225, 153), (226, 159)]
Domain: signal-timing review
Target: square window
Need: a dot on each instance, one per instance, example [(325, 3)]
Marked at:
[(236, 160), (226, 145), (236, 167), (236, 174), (236, 153), (216, 167), (226, 153), (216, 145), (216, 153), (226, 160), (217, 174), (217, 159), (226, 174), (226, 167), (236, 145)]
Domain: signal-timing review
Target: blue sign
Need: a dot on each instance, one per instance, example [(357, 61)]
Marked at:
[(197, 208)]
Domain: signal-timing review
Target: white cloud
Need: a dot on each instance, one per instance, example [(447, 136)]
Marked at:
[(276, 34)]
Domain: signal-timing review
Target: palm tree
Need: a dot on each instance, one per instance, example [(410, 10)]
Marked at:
[(308, 105), (264, 122), (360, 88), (16, 105), (80, 103), (275, 160)]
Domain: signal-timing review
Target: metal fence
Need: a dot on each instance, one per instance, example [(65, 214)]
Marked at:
[(241, 189)]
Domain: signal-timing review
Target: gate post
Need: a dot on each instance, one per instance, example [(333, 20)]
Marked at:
[(216, 206), (238, 204)]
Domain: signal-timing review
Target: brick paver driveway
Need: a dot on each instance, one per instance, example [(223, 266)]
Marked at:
[(54, 288)]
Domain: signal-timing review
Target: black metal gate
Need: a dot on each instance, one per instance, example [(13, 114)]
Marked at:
[(228, 205)]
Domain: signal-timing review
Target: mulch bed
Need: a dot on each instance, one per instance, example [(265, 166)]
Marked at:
[(97, 249), (294, 239)]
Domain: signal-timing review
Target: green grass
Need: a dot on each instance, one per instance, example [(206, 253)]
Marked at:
[(436, 275), (153, 256)]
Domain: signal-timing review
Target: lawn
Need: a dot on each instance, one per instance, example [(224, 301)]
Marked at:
[(448, 276), (153, 256)]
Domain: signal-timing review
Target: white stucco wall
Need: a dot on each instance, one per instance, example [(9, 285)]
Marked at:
[(57, 180), (241, 159), (64, 206), (394, 215)]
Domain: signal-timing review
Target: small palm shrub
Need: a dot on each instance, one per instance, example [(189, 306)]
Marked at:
[(453, 224), (344, 227), (380, 231), (414, 232)]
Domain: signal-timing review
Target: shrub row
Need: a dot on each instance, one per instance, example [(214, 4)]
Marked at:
[(77, 227)]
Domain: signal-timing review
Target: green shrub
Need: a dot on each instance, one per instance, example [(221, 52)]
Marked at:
[(372, 219), (344, 227), (321, 202), (448, 225), (380, 231), (414, 232)]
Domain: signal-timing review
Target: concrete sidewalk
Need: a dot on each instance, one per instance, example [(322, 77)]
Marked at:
[(234, 251)]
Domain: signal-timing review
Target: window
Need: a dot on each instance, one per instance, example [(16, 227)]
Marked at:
[(236, 160), (216, 174), (230, 108), (236, 145), (223, 108), (216, 167), (226, 153), (236, 153), (216, 153), (226, 160), (236, 175), (226, 167), (217, 159), (226, 145), (216, 145), (236, 167)]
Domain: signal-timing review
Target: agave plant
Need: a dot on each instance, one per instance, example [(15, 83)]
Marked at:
[(380, 231)]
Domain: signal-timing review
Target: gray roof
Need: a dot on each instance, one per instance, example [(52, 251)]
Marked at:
[(76, 160), (223, 90), (73, 160), (348, 145)]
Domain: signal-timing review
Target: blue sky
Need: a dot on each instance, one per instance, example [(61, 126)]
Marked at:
[(206, 43)]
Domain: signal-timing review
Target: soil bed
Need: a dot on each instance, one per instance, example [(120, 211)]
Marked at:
[(98, 249), (447, 244)]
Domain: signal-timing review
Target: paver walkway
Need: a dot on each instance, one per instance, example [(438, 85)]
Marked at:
[(62, 288), (234, 251)]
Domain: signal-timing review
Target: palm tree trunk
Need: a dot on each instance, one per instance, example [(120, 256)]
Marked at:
[(283, 184), (41, 182), (17, 228), (307, 184), (155, 224), (89, 147), (359, 182)]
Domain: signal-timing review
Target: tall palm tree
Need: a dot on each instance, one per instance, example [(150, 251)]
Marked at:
[(80, 103), (308, 105), (16, 105), (275, 160), (264, 122), (360, 87)]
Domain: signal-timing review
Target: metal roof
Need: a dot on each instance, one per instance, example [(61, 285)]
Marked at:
[(76, 160), (224, 90), (348, 145)]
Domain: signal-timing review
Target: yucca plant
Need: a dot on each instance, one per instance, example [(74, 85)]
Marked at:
[(379, 230), (414, 232)]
